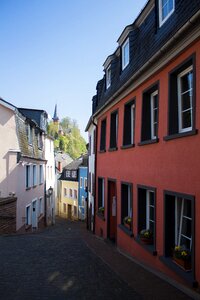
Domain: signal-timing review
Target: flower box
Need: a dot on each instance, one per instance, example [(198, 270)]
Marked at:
[(128, 226), (184, 264), (146, 241)]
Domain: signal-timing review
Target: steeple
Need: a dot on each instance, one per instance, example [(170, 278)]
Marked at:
[(55, 116)]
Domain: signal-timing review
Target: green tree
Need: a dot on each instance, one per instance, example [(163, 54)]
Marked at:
[(68, 139)]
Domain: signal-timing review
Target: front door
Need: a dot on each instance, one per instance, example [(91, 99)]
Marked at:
[(112, 211), (69, 211), (34, 214)]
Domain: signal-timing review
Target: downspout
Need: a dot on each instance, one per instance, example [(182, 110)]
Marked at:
[(95, 168)]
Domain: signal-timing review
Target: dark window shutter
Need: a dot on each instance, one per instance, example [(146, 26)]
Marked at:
[(173, 105), (127, 125), (146, 117), (94, 141), (113, 130), (141, 209), (124, 201), (93, 184), (169, 224), (100, 182), (103, 135)]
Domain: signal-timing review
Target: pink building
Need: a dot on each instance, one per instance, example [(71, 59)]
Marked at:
[(22, 162)]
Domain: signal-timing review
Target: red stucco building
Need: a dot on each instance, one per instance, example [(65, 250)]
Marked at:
[(147, 161)]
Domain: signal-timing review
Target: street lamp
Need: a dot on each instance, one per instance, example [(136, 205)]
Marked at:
[(50, 191)]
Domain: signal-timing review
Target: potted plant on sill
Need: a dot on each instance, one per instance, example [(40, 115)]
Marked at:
[(127, 222), (146, 236), (182, 257), (101, 210)]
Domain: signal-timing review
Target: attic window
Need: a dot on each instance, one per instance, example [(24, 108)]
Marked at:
[(30, 134), (108, 77), (166, 8), (125, 54)]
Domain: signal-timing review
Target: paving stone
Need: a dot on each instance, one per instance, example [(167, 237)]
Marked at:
[(66, 261)]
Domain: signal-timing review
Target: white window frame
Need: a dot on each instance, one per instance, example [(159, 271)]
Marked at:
[(153, 110), (34, 175), (28, 216), (41, 176), (28, 182), (161, 20), (180, 111), (148, 207), (179, 216), (81, 182), (124, 47), (108, 77), (30, 134), (74, 174)]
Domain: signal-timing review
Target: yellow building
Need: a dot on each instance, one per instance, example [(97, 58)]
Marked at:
[(69, 199), (68, 204)]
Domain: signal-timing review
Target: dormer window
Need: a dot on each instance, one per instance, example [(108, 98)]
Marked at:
[(166, 8), (125, 54), (30, 134), (108, 77)]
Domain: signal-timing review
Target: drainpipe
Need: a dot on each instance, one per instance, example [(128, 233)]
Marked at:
[(95, 168)]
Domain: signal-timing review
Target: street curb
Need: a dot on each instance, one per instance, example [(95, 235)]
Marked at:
[(192, 294)]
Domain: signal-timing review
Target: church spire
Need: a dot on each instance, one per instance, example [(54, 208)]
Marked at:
[(55, 116)]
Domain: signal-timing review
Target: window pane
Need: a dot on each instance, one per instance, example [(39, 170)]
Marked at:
[(170, 4), (187, 227), (187, 208), (164, 12), (186, 82), (185, 242), (151, 226), (186, 119), (151, 198), (186, 101), (151, 212)]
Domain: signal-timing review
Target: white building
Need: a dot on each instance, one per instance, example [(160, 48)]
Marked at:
[(50, 181), (91, 129)]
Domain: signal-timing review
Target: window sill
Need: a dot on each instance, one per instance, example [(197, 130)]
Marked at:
[(101, 216), (180, 135), (28, 188), (127, 146), (149, 248), (187, 276), (34, 186), (126, 230), (102, 151), (112, 149), (147, 142)]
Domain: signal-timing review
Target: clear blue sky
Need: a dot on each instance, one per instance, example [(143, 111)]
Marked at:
[(52, 51)]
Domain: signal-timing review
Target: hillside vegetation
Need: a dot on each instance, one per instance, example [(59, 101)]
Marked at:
[(67, 137)]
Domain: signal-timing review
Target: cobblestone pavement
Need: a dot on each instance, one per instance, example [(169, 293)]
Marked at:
[(65, 262)]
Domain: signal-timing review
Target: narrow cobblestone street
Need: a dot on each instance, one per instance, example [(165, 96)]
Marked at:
[(65, 262)]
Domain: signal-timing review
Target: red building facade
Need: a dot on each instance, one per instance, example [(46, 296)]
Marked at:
[(147, 163)]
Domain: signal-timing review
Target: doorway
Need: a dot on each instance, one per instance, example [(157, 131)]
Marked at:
[(69, 208), (34, 214), (112, 210)]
